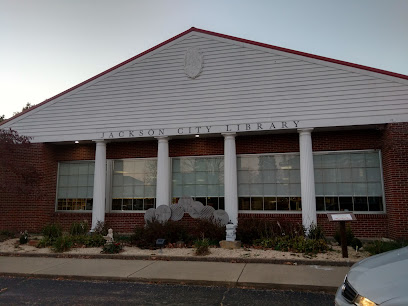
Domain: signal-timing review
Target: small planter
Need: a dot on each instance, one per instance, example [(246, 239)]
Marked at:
[(33, 243)]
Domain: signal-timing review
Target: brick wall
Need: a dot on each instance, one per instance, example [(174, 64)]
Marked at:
[(20, 212), (395, 171)]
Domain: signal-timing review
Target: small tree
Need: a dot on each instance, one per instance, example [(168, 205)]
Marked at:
[(2, 118), (27, 106), (16, 175)]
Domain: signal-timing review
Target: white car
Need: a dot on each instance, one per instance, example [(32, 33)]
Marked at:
[(378, 280)]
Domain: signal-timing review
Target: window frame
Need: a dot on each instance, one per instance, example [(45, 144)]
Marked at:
[(194, 156), (277, 196), (379, 212), (109, 187), (56, 210)]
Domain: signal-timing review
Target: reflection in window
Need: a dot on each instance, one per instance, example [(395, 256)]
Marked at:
[(201, 178), (75, 185), (269, 182), (134, 184), (348, 181)]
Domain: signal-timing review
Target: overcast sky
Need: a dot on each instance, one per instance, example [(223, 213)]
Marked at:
[(48, 46)]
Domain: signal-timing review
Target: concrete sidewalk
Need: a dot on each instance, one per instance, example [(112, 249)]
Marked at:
[(258, 275)]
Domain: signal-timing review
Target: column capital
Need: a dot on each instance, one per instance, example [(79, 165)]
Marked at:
[(100, 141), (229, 134), (305, 130), (162, 138)]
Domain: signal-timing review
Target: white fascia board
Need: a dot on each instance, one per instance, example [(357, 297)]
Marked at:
[(124, 134)]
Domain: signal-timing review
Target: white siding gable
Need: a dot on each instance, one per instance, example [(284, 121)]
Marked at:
[(240, 84)]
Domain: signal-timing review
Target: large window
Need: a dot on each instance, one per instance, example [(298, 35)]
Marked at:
[(75, 185), (134, 184), (269, 182), (348, 181), (201, 178)]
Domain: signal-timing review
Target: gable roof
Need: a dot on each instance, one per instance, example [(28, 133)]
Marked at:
[(193, 29)]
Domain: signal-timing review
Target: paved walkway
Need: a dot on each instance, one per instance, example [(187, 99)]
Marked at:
[(258, 275)]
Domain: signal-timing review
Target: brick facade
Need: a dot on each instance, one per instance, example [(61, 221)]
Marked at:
[(20, 212), (395, 171)]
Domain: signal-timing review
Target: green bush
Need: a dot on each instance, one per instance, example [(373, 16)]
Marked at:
[(123, 238), (298, 244), (349, 236), (316, 232), (52, 231), (112, 248), (44, 242), (202, 246), (94, 240), (79, 228), (90, 240), (62, 244), (378, 246)]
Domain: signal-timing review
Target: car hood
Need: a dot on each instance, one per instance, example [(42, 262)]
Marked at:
[(382, 277)]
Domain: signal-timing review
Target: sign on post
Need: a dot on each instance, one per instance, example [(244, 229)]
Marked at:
[(342, 218)]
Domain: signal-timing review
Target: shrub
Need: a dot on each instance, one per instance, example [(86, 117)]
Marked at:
[(145, 237), (123, 238), (378, 246), (5, 235), (79, 228), (349, 236), (101, 228), (298, 244), (252, 229), (112, 248), (202, 246), (316, 232), (94, 240), (202, 228), (62, 244), (173, 232), (52, 231), (90, 240), (44, 242)]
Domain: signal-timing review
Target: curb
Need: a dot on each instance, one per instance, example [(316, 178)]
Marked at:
[(242, 285), (188, 258)]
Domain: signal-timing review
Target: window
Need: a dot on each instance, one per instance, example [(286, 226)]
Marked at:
[(134, 184), (75, 185), (348, 181), (269, 182), (201, 178)]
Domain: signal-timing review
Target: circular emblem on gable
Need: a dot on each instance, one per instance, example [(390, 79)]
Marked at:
[(193, 62)]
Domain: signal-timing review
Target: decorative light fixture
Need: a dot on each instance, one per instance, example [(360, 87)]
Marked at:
[(76, 141), (197, 135)]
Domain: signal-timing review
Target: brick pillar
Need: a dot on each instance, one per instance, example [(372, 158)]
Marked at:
[(395, 171)]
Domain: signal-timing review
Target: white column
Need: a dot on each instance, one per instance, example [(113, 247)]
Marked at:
[(163, 172), (307, 178), (98, 209), (230, 177)]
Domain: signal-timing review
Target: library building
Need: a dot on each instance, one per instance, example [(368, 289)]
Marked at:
[(256, 130)]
